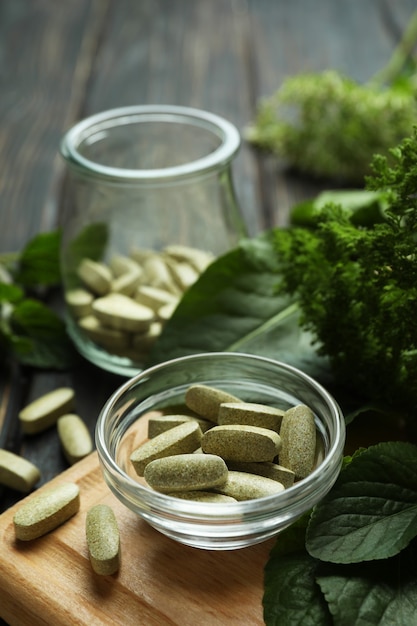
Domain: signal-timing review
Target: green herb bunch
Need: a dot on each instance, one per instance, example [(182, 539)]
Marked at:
[(31, 332), (357, 286), (328, 125)]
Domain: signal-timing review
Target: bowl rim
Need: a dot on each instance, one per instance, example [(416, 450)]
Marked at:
[(301, 492)]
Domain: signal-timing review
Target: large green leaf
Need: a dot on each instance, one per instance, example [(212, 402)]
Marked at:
[(373, 594), (291, 594), (371, 512), (235, 307)]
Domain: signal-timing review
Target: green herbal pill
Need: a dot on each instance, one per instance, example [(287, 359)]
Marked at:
[(17, 472), (181, 439), (243, 486), (45, 511), (268, 469), (186, 472), (206, 401), (203, 496), (242, 443), (298, 434), (103, 539), (251, 414), (44, 412), (75, 437)]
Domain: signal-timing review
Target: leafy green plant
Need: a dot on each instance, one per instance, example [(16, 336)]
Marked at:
[(30, 330), (328, 125), (352, 560)]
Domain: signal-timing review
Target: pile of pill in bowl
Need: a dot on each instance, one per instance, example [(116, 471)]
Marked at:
[(227, 450)]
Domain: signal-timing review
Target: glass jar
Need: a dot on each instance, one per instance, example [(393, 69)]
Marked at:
[(150, 203)]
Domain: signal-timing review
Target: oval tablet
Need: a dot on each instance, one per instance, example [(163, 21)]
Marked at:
[(298, 434), (75, 437), (206, 401), (268, 469), (44, 412), (122, 313), (45, 511), (103, 539), (242, 486), (251, 414), (181, 439), (16, 472), (241, 443), (186, 472), (79, 301), (106, 337), (96, 276)]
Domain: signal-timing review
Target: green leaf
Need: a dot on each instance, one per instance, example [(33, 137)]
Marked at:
[(38, 263), (90, 243), (364, 207), (292, 596), (371, 512), (234, 306), (39, 336), (373, 594), (10, 293)]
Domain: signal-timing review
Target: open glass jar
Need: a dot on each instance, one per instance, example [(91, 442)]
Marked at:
[(151, 202)]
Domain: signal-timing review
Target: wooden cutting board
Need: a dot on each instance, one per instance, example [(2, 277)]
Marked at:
[(160, 582)]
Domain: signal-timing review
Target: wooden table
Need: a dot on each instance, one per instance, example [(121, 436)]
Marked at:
[(62, 61)]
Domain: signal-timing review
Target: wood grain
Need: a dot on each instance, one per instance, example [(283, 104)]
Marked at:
[(160, 582)]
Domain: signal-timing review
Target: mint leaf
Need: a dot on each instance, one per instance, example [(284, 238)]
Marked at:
[(234, 306), (39, 336), (373, 594), (10, 293), (371, 511), (38, 263), (89, 243), (291, 595)]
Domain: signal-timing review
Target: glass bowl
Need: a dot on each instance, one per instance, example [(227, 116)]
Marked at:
[(122, 426)]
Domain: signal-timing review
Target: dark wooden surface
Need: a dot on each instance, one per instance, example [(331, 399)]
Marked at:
[(62, 61)]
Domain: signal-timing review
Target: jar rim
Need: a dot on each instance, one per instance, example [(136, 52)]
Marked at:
[(220, 157)]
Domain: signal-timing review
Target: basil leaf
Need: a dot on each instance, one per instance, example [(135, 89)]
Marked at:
[(292, 596), (10, 293), (373, 594), (371, 511), (234, 306), (39, 336), (39, 261)]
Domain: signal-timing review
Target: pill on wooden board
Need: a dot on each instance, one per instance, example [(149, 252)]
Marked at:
[(17, 472), (44, 412), (103, 539), (96, 276), (266, 468), (241, 443), (107, 338), (120, 312), (181, 439), (298, 435), (243, 486), (45, 511), (206, 400), (251, 414), (79, 301), (203, 496), (75, 437), (186, 472)]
